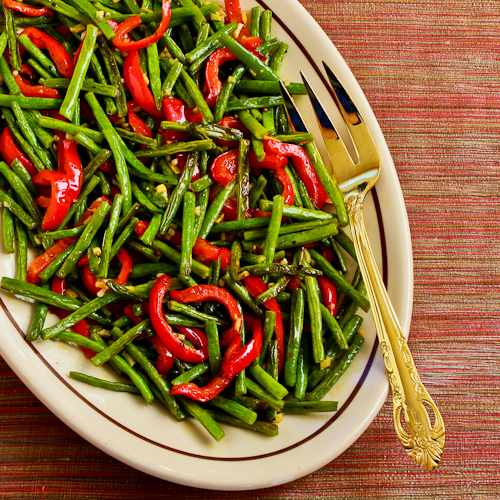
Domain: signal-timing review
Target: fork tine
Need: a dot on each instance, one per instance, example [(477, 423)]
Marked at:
[(330, 131), (294, 116)]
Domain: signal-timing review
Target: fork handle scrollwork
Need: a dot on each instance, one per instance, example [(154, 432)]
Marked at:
[(422, 437)]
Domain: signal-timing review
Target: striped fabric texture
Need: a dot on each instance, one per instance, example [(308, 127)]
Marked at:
[(431, 70)]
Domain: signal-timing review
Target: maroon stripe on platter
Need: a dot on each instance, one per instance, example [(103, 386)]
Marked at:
[(327, 424)]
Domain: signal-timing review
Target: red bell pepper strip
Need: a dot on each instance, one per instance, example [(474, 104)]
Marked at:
[(236, 359), (196, 336), (10, 152), (140, 227), (126, 264), (137, 124), (89, 281), (255, 286), (173, 110), (40, 262), (58, 53), (288, 192), (205, 252), (93, 207), (122, 41), (65, 184), (129, 312), (58, 286), (211, 293), (171, 340), (194, 115), (213, 84), (224, 167), (328, 294), (137, 85), (302, 165), (233, 11), (27, 71), (27, 10), (165, 360), (230, 212), (35, 90)]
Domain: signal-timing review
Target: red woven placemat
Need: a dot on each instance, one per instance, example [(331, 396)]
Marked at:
[(431, 70)]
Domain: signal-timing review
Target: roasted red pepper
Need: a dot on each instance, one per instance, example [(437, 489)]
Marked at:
[(40, 262), (26, 10), (137, 85), (255, 286), (288, 192), (171, 340), (10, 152), (236, 359), (165, 360), (224, 167), (122, 41), (205, 252), (196, 336), (230, 212), (233, 11), (328, 294), (58, 286), (58, 53), (173, 110), (65, 184), (35, 90), (137, 124), (129, 312), (140, 228), (211, 293), (213, 84), (303, 167)]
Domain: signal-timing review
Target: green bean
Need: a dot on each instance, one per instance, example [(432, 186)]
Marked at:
[(257, 191), (251, 61), (3, 42), (240, 225), (81, 67), (340, 261), (313, 235), (192, 312), (21, 252), (8, 78), (115, 77), (171, 79), (69, 128), (273, 291), (254, 103), (56, 263), (8, 237), (109, 234), (191, 374), (197, 96), (205, 418), (118, 362), (203, 33), (334, 373), (83, 312), (151, 269), (7, 100), (91, 228), (96, 163), (178, 193), (259, 234), (198, 268), (37, 322), (178, 147), (349, 311), (272, 386), (88, 85), (38, 68), (234, 265), (266, 428), (123, 236), (255, 21), (188, 236), (103, 384), (343, 285), (119, 344), (273, 229), (86, 7), (278, 57), (315, 318), (268, 88), (254, 126), (203, 50), (304, 407), (266, 20), (20, 189), (258, 149), (227, 91), (294, 340), (154, 73), (79, 206), (259, 393), (346, 243), (20, 170), (152, 230), (37, 54), (215, 209), (296, 138), (302, 378), (214, 355), (269, 327), (243, 179), (8, 203), (114, 142), (144, 200), (235, 409), (185, 37), (334, 327), (243, 295), (201, 184), (174, 49)]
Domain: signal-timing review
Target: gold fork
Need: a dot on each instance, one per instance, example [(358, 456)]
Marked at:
[(357, 173)]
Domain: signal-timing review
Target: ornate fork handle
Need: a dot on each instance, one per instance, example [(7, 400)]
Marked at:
[(422, 438)]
